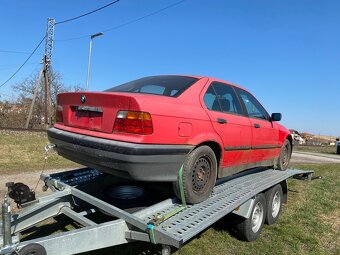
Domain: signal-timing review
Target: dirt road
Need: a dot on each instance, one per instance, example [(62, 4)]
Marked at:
[(29, 178)]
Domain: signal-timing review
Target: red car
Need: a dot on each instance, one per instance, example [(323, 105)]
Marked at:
[(148, 128)]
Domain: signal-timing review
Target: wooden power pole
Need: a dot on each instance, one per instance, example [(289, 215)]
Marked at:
[(48, 121)]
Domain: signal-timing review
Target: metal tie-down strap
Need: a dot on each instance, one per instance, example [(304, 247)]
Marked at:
[(159, 218)]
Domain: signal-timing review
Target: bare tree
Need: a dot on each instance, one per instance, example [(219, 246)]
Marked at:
[(25, 90)]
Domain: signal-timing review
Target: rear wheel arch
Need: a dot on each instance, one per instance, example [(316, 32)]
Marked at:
[(215, 146)]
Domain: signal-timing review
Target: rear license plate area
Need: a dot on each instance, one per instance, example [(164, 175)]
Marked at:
[(86, 117)]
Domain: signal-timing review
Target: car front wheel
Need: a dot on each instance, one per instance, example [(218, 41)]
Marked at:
[(198, 176), (285, 155)]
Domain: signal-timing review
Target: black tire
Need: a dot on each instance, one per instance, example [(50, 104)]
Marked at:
[(32, 249), (285, 155), (274, 198), (199, 175), (250, 229)]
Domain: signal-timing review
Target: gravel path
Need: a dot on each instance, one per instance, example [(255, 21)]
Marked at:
[(29, 178)]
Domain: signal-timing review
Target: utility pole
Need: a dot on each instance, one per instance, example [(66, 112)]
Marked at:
[(47, 93), (47, 61)]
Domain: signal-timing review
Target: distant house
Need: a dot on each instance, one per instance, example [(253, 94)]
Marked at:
[(297, 137)]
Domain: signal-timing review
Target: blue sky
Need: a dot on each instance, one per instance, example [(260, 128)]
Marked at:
[(287, 53)]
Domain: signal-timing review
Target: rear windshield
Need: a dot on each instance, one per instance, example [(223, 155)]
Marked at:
[(165, 85)]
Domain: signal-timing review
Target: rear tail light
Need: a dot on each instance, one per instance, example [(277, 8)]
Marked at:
[(133, 122), (59, 113)]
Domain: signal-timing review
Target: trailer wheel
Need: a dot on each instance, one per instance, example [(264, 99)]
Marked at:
[(199, 175), (285, 155), (274, 203), (32, 249), (250, 229)]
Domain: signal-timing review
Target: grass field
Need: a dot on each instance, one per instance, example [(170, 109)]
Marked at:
[(319, 149), (24, 151), (310, 223)]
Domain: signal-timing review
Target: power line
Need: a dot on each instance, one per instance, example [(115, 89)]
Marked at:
[(126, 23), (35, 49), (145, 16), (88, 13)]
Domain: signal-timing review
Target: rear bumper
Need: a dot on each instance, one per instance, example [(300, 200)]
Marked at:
[(142, 162)]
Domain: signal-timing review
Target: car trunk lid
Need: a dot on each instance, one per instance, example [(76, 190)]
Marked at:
[(91, 110)]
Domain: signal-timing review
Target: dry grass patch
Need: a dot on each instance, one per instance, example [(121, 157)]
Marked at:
[(22, 151)]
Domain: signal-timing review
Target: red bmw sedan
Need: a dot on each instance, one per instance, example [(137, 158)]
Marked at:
[(149, 128)]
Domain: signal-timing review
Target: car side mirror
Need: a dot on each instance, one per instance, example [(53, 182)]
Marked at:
[(276, 116), (337, 139)]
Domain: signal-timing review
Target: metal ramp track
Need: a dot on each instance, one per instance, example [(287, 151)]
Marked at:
[(225, 198)]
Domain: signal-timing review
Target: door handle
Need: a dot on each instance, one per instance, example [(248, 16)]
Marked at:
[(257, 125), (221, 121)]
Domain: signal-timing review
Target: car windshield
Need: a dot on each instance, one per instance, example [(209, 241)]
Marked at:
[(165, 85)]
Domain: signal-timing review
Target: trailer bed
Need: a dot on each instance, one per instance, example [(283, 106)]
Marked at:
[(229, 194)]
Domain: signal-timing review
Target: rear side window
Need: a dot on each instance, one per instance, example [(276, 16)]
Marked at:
[(165, 85), (222, 97), (253, 107)]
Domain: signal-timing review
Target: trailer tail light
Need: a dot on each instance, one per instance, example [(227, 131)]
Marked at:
[(133, 122), (59, 113)]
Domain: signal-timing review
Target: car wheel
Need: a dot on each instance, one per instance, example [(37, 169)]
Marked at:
[(250, 229), (32, 249), (285, 155), (274, 198), (199, 175)]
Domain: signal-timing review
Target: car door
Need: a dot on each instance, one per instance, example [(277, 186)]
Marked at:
[(265, 134), (226, 115)]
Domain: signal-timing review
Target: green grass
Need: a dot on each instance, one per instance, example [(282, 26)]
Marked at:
[(24, 152), (319, 149)]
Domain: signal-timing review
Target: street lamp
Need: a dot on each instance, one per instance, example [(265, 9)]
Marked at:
[(89, 59)]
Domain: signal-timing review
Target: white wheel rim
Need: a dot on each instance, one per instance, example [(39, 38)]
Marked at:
[(276, 204), (257, 217)]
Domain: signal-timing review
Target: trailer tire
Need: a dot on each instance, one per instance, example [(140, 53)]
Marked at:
[(285, 155), (199, 175), (250, 229), (33, 249), (274, 198)]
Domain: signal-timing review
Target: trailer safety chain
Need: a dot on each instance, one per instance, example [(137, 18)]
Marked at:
[(47, 148), (159, 218)]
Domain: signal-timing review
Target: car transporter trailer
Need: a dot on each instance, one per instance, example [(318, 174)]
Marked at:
[(167, 222)]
